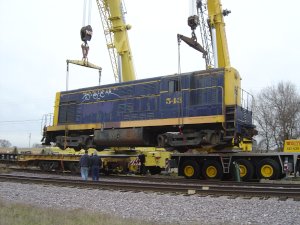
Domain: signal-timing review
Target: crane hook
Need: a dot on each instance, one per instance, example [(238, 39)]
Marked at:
[(85, 50), (86, 34)]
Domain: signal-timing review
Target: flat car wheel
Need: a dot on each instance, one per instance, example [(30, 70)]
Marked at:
[(191, 169), (246, 169), (268, 169), (212, 170)]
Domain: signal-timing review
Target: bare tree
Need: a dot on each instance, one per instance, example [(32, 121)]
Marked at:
[(4, 143), (277, 114), (264, 119)]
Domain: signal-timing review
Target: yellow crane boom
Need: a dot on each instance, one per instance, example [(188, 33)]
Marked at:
[(217, 26), (115, 31)]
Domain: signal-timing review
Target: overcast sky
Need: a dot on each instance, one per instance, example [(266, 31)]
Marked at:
[(38, 36)]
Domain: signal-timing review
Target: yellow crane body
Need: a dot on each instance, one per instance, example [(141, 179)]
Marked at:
[(216, 21), (232, 78), (118, 28)]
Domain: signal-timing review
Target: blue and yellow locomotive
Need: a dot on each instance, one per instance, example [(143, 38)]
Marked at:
[(182, 111)]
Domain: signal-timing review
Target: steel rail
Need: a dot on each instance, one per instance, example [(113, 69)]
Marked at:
[(169, 179), (224, 190)]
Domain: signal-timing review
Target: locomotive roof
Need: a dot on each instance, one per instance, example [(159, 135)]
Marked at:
[(199, 72)]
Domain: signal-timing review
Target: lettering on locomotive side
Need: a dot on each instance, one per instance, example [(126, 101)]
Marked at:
[(97, 95), (173, 100)]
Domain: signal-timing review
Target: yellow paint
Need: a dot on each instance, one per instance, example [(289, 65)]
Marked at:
[(291, 146), (211, 171), (84, 63), (246, 145), (232, 78), (74, 127), (121, 41), (156, 158), (189, 171), (56, 109), (232, 87), (173, 121), (215, 15), (133, 168), (57, 150), (266, 171), (141, 123), (243, 170), (28, 157)]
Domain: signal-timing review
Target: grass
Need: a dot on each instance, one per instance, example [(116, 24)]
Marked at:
[(22, 214)]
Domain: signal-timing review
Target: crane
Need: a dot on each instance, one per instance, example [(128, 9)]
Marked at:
[(217, 28), (115, 31), (209, 16)]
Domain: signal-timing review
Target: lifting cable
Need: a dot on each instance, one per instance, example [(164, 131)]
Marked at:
[(81, 63), (67, 77), (89, 12), (180, 98)]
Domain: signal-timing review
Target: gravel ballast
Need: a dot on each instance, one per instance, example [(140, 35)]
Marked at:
[(157, 208)]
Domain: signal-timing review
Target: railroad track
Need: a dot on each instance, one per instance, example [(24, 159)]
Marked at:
[(166, 178), (232, 189)]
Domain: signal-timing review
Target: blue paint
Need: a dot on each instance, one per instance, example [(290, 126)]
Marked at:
[(154, 98)]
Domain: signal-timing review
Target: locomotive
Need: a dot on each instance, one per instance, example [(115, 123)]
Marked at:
[(179, 111)]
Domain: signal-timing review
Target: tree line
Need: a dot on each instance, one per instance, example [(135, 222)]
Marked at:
[(6, 144), (276, 114)]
